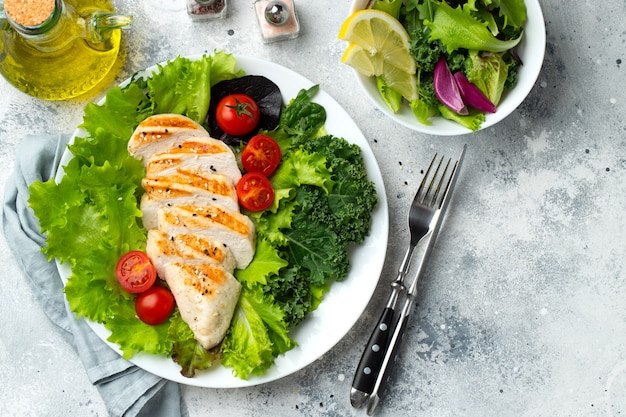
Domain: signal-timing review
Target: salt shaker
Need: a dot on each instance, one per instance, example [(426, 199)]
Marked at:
[(278, 19), (206, 9)]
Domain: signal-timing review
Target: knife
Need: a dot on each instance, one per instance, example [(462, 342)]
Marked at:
[(390, 351)]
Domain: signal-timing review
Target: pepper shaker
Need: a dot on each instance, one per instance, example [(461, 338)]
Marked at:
[(278, 19), (206, 9)]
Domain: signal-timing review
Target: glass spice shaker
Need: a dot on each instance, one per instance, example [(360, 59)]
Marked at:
[(207, 9), (278, 19)]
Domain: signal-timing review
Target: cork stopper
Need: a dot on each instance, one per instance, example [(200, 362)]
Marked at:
[(29, 13)]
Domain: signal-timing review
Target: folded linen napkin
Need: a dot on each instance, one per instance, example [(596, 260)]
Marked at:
[(127, 390)]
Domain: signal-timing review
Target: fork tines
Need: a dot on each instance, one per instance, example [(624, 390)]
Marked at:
[(434, 186)]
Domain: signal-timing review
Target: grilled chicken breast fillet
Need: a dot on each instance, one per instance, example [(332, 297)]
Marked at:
[(196, 234), (168, 163), (232, 228), (186, 187), (161, 132), (163, 248), (206, 296)]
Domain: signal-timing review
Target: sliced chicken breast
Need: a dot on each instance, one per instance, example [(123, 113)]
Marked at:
[(168, 163), (161, 132), (186, 187), (196, 234), (232, 228), (206, 296), (163, 248)]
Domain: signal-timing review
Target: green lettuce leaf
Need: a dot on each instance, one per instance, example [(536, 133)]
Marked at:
[(266, 261), (183, 86), (186, 351), (119, 115), (458, 28), (489, 73), (134, 336), (472, 121), (391, 97), (512, 11), (391, 7), (257, 334)]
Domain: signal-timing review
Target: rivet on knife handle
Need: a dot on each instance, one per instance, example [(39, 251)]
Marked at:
[(369, 366)]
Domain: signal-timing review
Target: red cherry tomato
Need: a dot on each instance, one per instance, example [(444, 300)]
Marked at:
[(237, 114), (255, 192), (261, 154), (135, 272), (154, 305)]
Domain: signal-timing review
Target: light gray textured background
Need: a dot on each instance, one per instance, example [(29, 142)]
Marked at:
[(523, 311)]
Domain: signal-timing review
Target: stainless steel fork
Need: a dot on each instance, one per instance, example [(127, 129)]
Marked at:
[(425, 216)]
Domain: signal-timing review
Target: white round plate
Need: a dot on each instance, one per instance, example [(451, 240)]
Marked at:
[(346, 300), (531, 50)]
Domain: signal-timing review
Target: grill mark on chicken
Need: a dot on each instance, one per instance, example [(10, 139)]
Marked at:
[(188, 247), (160, 186), (229, 227), (197, 147), (160, 120), (233, 221), (163, 131), (168, 163), (205, 278)]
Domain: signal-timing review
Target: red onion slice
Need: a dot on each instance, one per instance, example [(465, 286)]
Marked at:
[(472, 94), (446, 88)]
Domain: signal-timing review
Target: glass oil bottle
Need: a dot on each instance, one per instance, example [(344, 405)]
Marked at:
[(60, 49)]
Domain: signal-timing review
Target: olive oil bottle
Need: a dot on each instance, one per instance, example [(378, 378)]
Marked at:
[(60, 49)]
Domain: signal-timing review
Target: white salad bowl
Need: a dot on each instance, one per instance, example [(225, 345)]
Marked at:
[(531, 51)]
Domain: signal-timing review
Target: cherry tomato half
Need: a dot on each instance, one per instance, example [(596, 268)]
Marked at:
[(255, 192), (135, 272), (261, 154), (154, 305), (237, 114)]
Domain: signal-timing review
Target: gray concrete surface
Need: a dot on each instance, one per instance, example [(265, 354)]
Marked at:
[(523, 310)]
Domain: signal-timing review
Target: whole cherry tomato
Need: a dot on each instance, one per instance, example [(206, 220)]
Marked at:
[(237, 114), (154, 305)]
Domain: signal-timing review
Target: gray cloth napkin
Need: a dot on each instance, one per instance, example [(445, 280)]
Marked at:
[(126, 389)]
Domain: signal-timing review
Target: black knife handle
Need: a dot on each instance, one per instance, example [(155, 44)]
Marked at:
[(389, 360), (369, 366)]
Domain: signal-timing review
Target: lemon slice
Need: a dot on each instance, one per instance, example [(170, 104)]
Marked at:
[(361, 60), (379, 46)]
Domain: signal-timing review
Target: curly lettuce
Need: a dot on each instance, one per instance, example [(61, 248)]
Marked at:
[(91, 216), (323, 204)]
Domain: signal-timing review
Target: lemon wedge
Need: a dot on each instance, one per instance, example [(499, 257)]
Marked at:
[(379, 46)]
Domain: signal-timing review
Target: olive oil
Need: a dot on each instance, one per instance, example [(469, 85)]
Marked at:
[(74, 51)]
